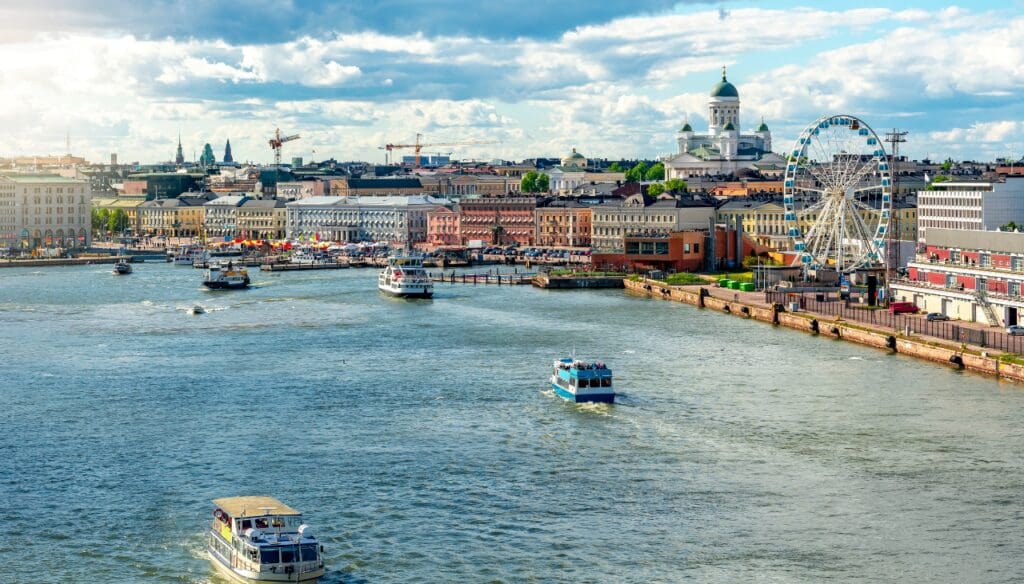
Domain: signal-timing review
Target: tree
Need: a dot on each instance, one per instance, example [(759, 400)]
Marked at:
[(99, 219), (535, 182), (636, 174), (117, 221), (938, 179), (656, 172), (1011, 226), (615, 167), (676, 186), (947, 165), (655, 189), (543, 183)]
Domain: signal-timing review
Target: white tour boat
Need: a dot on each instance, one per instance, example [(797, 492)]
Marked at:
[(122, 267), (188, 254), (260, 539), (404, 276), (230, 278)]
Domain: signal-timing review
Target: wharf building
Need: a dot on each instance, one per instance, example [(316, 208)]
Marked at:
[(221, 216), (261, 219), (563, 224), (443, 228), (642, 214), (44, 211), (497, 220), (970, 205), (970, 275), (689, 250), (723, 149), (178, 217), (399, 220)]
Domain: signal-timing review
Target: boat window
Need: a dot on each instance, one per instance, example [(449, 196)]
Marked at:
[(572, 381), (261, 523), (584, 383), (287, 555), (270, 556), (606, 382), (277, 522), (308, 553), (246, 524)]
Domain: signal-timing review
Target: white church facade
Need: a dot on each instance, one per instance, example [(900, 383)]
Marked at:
[(723, 149)]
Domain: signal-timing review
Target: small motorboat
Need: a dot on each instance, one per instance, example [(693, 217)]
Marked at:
[(197, 310), (122, 267)]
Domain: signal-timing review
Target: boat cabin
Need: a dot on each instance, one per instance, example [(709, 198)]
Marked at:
[(262, 534), (580, 374)]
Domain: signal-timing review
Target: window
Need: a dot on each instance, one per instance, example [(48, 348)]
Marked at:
[(309, 552), (270, 556)]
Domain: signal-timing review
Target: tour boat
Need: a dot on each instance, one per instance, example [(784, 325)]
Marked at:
[(404, 276), (260, 539), (188, 254), (122, 267), (579, 381), (219, 277)]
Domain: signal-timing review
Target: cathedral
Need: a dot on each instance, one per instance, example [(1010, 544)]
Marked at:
[(723, 150)]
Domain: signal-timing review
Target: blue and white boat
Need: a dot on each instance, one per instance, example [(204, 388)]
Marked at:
[(579, 381)]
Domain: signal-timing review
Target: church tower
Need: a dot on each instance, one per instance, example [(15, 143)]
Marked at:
[(227, 153), (723, 107), (179, 157)]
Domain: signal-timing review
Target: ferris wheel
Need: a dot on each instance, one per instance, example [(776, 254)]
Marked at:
[(838, 195)]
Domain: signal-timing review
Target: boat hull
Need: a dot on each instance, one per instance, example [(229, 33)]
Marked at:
[(601, 398), (399, 294), (215, 285), (247, 577)]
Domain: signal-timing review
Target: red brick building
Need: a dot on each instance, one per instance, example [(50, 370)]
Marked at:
[(680, 251), (497, 220), (563, 224)]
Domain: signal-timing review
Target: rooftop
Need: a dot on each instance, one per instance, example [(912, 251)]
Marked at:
[(42, 178), (255, 506)]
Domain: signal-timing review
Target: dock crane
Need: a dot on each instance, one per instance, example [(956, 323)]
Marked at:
[(277, 141), (419, 146)]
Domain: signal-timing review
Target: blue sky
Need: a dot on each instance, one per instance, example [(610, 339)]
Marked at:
[(613, 78)]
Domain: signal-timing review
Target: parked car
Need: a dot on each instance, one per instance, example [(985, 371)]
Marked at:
[(936, 316), (1015, 330)]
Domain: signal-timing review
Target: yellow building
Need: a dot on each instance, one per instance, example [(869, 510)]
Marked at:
[(261, 219), (765, 222)]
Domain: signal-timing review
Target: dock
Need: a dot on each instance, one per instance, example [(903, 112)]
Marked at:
[(514, 279), (287, 267)]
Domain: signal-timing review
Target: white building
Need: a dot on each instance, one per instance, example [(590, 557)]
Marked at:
[(641, 214), (970, 205), (44, 211), (571, 173), (221, 218), (400, 220), (723, 149)]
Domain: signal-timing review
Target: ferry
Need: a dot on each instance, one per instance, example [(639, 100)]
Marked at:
[(260, 539), (579, 381), (231, 278), (122, 267), (188, 254), (404, 276)]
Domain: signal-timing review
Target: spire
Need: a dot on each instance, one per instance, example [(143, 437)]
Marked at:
[(227, 152), (179, 156), (723, 73)]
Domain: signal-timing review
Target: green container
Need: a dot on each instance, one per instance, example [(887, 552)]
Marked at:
[(727, 283), (724, 282), (733, 284), (747, 287)]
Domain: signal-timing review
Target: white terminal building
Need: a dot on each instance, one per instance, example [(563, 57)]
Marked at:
[(44, 211), (400, 220), (981, 206), (724, 149)]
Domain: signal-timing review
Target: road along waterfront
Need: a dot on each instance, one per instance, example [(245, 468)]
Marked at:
[(422, 443)]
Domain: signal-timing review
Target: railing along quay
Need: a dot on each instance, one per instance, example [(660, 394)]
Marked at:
[(517, 279), (828, 305)]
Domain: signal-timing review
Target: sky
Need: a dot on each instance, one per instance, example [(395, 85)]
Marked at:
[(613, 79)]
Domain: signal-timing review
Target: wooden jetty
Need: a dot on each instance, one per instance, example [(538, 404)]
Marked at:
[(513, 279), (289, 267)]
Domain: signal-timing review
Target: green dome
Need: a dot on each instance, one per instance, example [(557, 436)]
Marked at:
[(575, 155), (686, 127), (763, 127), (723, 88), (729, 127)]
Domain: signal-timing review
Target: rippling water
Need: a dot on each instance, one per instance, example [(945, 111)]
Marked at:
[(422, 444)]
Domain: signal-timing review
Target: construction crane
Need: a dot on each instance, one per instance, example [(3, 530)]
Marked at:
[(277, 141), (419, 146)]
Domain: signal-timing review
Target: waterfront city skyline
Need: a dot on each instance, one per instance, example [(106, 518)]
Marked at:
[(614, 80)]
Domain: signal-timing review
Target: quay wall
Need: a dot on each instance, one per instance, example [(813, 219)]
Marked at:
[(941, 353), (572, 282)]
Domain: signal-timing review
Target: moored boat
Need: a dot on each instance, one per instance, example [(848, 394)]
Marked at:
[(186, 255), (260, 539), (405, 277), (579, 381), (226, 278)]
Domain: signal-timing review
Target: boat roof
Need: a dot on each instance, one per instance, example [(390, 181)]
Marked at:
[(255, 506)]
